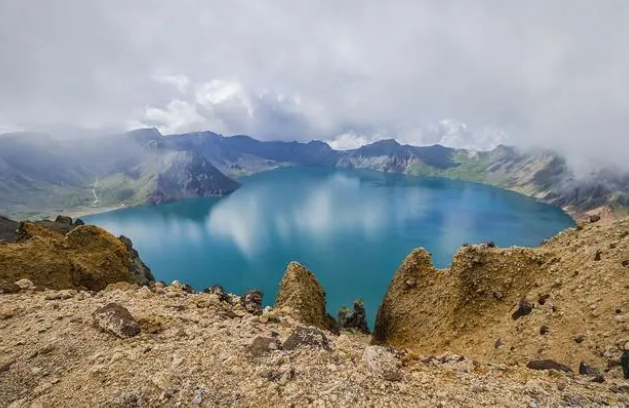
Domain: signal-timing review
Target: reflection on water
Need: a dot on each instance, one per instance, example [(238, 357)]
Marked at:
[(320, 210), (352, 228)]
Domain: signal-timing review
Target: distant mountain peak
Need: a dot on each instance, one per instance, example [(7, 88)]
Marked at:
[(386, 142)]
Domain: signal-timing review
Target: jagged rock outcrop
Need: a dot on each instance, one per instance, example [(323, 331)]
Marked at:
[(499, 305), (303, 297), (354, 319), (84, 257)]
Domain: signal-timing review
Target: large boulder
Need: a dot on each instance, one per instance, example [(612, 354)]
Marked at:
[(302, 297), (116, 319)]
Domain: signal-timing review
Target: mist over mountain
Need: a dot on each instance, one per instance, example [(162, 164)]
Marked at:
[(45, 175), (287, 71)]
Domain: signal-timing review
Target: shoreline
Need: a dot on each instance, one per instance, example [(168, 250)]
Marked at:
[(576, 215)]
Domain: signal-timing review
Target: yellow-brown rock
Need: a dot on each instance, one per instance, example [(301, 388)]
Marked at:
[(572, 287), (87, 257), (302, 297)]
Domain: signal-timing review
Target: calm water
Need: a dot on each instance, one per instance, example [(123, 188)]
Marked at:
[(351, 228)]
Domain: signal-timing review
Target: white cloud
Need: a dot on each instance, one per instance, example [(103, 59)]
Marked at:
[(178, 116), (348, 141), (303, 70), (180, 82)]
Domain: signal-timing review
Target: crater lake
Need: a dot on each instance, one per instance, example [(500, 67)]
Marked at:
[(351, 228)]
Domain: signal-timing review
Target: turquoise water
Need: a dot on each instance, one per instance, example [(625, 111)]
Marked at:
[(351, 228)]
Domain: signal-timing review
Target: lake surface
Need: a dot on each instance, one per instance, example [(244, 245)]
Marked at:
[(352, 228)]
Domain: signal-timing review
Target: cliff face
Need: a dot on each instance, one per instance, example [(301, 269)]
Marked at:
[(187, 176), (84, 257), (564, 301)]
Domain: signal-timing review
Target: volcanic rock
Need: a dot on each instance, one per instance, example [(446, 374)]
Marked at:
[(301, 296), (116, 319), (382, 362), (306, 337), (354, 319), (85, 257), (252, 302)]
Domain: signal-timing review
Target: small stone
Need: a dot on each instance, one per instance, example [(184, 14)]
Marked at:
[(6, 313), (542, 299), (624, 363), (9, 288), (598, 255), (594, 218), (543, 330), (579, 338), (524, 308), (382, 362), (498, 343), (410, 283), (263, 345), (61, 295), (548, 365), (598, 378), (25, 284), (585, 369), (198, 397), (6, 367), (117, 320), (220, 292), (625, 263), (252, 302), (188, 288), (309, 337)]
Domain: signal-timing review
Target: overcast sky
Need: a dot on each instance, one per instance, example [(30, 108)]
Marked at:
[(553, 73)]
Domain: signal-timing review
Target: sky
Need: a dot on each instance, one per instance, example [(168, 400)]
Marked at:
[(553, 74)]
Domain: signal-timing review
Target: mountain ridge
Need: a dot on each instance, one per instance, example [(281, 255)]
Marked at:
[(144, 167)]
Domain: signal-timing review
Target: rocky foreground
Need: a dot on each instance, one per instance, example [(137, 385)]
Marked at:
[(517, 327), (178, 349)]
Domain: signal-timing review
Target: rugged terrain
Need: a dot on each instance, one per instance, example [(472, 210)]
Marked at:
[(565, 301), (65, 254), (41, 175), (542, 327)]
